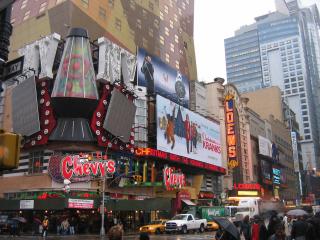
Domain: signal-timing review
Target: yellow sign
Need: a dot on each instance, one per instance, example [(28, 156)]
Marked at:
[(248, 193)]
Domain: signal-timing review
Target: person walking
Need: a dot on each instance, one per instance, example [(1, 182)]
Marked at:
[(263, 232), (72, 225), (299, 229), (45, 226), (274, 221), (115, 232), (144, 236), (245, 228), (255, 229), (65, 226), (279, 233)]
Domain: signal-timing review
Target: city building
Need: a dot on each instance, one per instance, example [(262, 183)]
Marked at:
[(96, 111), (282, 51)]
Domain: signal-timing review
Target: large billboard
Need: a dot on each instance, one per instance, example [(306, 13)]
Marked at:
[(161, 79), (185, 133), (265, 146)]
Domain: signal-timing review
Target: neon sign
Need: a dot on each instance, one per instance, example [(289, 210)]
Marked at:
[(246, 186), (179, 159), (231, 133), (172, 179), (73, 167)]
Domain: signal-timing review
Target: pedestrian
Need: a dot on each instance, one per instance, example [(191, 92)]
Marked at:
[(299, 229), (65, 226), (315, 222), (245, 228), (72, 225), (274, 221), (144, 236), (263, 232), (14, 228), (115, 233), (279, 233), (255, 228), (45, 226)]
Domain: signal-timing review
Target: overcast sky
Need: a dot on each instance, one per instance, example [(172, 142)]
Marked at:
[(216, 20)]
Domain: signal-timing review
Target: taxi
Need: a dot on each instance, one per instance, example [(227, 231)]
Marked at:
[(157, 227), (212, 226)]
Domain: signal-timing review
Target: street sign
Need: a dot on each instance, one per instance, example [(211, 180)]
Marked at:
[(13, 68)]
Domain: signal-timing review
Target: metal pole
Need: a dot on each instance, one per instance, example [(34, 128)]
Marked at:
[(102, 230)]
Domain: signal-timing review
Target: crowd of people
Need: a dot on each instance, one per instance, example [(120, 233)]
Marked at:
[(281, 228)]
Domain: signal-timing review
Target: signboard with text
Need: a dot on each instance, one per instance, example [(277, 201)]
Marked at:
[(26, 204), (80, 203), (185, 133)]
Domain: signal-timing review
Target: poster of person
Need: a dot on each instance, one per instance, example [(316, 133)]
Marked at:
[(185, 133), (161, 79)]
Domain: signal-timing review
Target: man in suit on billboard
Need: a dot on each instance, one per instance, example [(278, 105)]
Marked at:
[(148, 70)]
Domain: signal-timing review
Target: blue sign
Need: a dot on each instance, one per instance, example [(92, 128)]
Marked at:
[(159, 78), (276, 176)]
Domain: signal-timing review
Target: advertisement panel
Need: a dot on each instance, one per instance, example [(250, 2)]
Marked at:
[(276, 176), (80, 203), (26, 204), (210, 213), (266, 170), (161, 79), (185, 133), (295, 154), (265, 146)]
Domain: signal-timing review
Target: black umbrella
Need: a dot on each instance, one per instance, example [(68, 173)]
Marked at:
[(228, 226)]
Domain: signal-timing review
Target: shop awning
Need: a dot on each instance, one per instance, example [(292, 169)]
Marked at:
[(188, 202)]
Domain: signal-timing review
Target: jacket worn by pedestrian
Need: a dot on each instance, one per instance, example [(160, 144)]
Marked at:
[(246, 230), (299, 229)]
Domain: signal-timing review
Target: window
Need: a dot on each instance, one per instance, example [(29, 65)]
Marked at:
[(156, 23), (307, 137), (118, 24), (85, 3), (307, 131), (43, 7), (176, 38), (35, 162), (162, 40), (305, 119), (59, 1), (150, 32), (151, 6), (306, 125), (111, 3), (161, 15), (132, 4), (166, 31), (172, 47), (166, 9), (171, 23), (180, 11), (167, 57), (26, 15), (138, 23), (175, 17), (24, 4), (303, 100), (102, 13), (177, 65)]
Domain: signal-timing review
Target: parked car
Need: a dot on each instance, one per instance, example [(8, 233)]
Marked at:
[(185, 222), (5, 224), (157, 227)]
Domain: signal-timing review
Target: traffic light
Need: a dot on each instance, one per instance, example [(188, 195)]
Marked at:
[(9, 150)]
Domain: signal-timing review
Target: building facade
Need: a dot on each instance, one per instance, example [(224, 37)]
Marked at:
[(289, 40)]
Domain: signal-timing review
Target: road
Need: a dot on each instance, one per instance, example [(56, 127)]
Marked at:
[(192, 236)]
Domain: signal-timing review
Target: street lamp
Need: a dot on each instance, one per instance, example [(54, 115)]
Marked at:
[(102, 229)]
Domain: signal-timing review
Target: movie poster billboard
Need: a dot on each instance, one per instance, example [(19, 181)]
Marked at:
[(161, 79), (185, 133)]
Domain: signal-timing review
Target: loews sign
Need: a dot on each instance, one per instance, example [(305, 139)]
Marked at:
[(173, 179), (231, 132)]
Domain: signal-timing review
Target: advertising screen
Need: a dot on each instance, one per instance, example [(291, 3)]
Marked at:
[(161, 79), (187, 134), (266, 169), (276, 175)]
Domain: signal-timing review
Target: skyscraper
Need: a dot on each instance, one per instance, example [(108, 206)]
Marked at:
[(287, 55)]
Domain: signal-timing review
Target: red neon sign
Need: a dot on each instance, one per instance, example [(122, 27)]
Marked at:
[(73, 167), (173, 180), (246, 186), (179, 159), (231, 133)]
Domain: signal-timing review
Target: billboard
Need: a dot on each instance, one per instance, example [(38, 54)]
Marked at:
[(185, 133), (276, 176), (295, 153), (161, 79), (265, 146)]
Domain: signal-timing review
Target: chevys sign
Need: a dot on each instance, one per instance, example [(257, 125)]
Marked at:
[(172, 179), (79, 169)]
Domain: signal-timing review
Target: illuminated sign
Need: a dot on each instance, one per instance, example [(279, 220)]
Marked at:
[(248, 193), (276, 175), (81, 167), (72, 166), (179, 159), (173, 179), (231, 132), (206, 195), (80, 203), (246, 186)]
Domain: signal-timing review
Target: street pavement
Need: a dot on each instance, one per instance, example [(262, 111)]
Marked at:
[(192, 236)]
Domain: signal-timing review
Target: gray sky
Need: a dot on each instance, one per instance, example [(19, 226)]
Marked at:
[(216, 20)]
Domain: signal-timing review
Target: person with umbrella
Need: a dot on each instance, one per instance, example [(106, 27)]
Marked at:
[(45, 226), (227, 230), (245, 228)]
